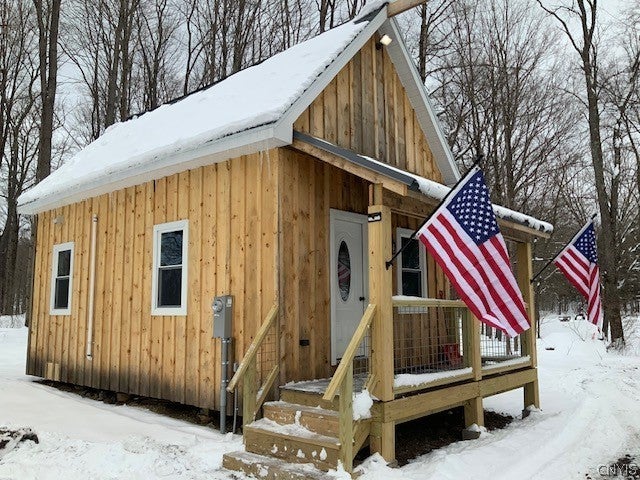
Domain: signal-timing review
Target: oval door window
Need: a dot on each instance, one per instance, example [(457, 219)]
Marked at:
[(344, 271)]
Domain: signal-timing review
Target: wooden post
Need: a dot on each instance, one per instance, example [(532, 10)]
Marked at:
[(346, 421), (380, 293), (473, 409), (249, 393), (525, 273), (474, 412), (383, 439), (471, 333)]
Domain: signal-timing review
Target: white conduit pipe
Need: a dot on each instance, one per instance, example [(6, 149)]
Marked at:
[(92, 283)]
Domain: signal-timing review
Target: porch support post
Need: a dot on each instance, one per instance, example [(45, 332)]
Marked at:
[(473, 409), (474, 412), (380, 293), (383, 440), (471, 338), (525, 273)]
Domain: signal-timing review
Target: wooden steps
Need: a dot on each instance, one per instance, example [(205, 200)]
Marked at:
[(292, 443), (298, 436), (269, 468), (308, 398), (315, 419)]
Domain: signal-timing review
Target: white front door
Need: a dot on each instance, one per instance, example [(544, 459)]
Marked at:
[(349, 280)]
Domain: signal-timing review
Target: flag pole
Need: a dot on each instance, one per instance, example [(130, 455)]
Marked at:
[(533, 279), (478, 159)]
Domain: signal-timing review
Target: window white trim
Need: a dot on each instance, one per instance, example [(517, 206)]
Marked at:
[(61, 247), (406, 233), (158, 230)]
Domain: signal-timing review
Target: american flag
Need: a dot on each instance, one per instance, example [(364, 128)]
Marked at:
[(464, 238), (578, 261)]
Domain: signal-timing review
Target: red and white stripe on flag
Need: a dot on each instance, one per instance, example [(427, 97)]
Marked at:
[(579, 263), (464, 238)]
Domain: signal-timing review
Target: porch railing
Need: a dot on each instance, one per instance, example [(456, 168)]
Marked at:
[(438, 341), (342, 384), (257, 382)]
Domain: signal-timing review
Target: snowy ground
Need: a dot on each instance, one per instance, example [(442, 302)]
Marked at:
[(86, 439), (590, 417)]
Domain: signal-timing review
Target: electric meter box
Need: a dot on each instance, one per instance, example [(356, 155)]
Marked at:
[(222, 315)]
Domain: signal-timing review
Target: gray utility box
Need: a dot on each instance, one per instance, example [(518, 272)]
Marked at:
[(222, 316)]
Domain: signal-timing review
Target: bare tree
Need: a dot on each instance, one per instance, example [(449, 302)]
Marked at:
[(48, 18), (585, 45), (497, 82), (157, 26), (18, 131), (100, 39)]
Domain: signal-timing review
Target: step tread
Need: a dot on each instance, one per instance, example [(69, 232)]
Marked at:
[(317, 386), (272, 468), (302, 408), (292, 432), (313, 400)]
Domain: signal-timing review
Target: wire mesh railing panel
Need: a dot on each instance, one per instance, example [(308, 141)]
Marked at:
[(267, 356), (428, 339), (497, 347), (362, 359)]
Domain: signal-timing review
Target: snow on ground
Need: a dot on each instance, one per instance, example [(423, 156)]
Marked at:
[(590, 416), (82, 438), (11, 321), (590, 410)]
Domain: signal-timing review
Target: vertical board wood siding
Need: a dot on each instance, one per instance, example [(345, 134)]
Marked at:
[(233, 224), (258, 229), (366, 109), (310, 189)]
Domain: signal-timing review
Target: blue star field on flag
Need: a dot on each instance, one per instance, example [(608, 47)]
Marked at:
[(473, 210), (586, 244)]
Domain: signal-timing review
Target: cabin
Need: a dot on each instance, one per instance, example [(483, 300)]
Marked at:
[(287, 186)]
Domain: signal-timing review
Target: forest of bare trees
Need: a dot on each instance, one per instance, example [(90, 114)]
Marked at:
[(548, 91)]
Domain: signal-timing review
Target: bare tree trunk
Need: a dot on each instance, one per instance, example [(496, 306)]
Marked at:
[(423, 43), (586, 48), (114, 68), (48, 23)]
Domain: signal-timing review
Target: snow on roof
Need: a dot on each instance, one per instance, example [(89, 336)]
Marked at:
[(251, 98), (437, 191)]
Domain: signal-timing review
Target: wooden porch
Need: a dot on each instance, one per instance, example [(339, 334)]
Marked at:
[(416, 357)]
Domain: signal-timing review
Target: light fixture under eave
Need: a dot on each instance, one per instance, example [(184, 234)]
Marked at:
[(385, 40)]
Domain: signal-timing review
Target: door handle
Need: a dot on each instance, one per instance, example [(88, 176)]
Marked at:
[(362, 299)]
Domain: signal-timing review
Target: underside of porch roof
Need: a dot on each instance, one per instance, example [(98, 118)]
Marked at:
[(413, 188)]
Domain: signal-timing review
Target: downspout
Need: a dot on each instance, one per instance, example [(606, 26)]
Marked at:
[(92, 282)]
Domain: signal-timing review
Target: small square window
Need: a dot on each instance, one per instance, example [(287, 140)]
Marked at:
[(62, 279), (412, 268), (169, 268)]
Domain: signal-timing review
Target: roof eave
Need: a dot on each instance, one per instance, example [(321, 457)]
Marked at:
[(242, 143)]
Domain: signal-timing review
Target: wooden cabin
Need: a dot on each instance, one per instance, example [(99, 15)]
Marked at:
[(288, 186)]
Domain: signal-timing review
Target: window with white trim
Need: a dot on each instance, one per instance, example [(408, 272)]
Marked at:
[(412, 265), (61, 279), (169, 284)]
